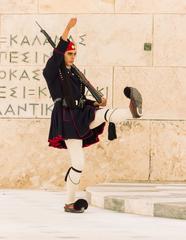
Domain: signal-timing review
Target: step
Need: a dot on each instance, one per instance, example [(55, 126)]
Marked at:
[(135, 198), (170, 210)]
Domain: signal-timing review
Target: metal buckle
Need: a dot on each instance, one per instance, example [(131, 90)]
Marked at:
[(79, 103)]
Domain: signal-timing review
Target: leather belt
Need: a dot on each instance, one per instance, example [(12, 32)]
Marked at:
[(64, 102)]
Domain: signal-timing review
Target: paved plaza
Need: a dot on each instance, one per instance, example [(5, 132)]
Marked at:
[(39, 215)]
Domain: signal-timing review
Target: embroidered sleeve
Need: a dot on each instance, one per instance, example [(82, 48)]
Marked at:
[(59, 51), (62, 46)]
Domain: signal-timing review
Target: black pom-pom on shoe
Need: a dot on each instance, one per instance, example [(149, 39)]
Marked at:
[(127, 92)]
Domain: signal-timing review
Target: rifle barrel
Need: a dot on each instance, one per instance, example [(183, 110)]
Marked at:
[(38, 24)]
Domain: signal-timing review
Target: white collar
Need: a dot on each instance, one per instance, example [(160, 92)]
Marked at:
[(69, 67)]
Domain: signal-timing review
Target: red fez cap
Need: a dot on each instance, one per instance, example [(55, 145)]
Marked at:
[(71, 46)]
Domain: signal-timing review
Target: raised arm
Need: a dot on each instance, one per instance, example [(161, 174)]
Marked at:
[(51, 69), (63, 43), (70, 25)]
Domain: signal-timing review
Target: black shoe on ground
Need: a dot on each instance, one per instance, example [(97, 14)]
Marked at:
[(70, 208)]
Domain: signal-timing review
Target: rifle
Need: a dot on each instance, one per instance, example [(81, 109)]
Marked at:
[(47, 36)]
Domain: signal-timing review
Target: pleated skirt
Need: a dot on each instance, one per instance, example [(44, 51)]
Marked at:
[(69, 123)]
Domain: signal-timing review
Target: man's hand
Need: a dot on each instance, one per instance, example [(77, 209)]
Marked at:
[(71, 23), (103, 102)]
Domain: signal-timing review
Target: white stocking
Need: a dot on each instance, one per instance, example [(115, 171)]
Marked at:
[(115, 115), (76, 152)]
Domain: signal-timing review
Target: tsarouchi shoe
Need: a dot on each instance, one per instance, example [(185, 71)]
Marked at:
[(135, 101), (70, 208)]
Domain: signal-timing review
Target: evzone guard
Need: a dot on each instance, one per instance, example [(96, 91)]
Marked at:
[(77, 122)]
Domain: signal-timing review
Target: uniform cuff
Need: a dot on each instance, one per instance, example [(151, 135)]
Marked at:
[(62, 46), (90, 102)]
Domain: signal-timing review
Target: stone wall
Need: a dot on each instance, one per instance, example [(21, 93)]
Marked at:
[(111, 37)]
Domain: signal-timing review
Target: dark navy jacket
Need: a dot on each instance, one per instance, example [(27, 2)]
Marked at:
[(65, 122), (51, 74)]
